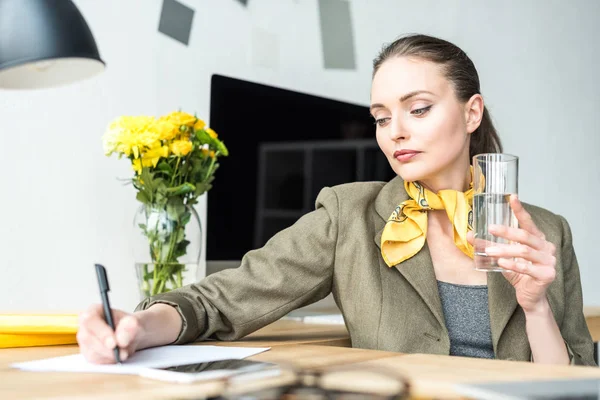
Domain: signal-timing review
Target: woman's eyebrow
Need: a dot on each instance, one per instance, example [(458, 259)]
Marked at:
[(413, 94), (403, 98)]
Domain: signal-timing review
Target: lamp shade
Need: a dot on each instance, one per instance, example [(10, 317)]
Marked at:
[(45, 43)]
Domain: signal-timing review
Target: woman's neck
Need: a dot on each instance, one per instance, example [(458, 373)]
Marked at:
[(459, 179)]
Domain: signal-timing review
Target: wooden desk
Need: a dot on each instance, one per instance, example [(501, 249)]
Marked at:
[(292, 343), (592, 317), (285, 332), (309, 346), (435, 376)]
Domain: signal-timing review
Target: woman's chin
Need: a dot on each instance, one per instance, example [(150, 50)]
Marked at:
[(409, 173)]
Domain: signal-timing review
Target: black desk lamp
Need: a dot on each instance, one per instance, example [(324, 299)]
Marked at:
[(45, 43)]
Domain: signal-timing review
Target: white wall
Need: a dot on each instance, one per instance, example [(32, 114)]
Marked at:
[(62, 208)]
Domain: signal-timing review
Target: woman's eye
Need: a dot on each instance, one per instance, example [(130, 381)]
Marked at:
[(420, 111), (381, 121)]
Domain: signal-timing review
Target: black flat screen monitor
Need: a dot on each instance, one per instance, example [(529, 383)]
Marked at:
[(285, 146)]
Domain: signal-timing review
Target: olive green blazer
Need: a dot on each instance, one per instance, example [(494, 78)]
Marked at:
[(336, 248)]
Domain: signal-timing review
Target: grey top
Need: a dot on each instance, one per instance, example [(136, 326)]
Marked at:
[(467, 319)]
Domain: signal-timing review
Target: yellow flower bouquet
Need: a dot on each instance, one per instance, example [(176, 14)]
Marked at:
[(174, 159)]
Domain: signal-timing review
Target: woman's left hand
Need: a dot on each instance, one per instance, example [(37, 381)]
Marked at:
[(530, 260)]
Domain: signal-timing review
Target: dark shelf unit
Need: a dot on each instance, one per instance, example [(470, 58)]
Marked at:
[(291, 174)]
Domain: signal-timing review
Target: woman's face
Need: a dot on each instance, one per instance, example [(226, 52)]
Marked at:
[(422, 128)]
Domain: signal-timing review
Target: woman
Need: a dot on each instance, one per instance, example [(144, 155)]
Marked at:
[(420, 294)]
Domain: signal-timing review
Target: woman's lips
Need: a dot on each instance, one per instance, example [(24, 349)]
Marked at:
[(405, 155)]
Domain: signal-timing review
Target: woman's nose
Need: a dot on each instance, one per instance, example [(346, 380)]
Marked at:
[(397, 129)]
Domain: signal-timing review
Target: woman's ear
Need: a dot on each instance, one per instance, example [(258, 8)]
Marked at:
[(474, 112)]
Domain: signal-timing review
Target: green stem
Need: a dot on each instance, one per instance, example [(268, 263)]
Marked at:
[(155, 279), (172, 242), (168, 260), (182, 179), (160, 277), (173, 282), (175, 171), (145, 281), (210, 167), (161, 286)]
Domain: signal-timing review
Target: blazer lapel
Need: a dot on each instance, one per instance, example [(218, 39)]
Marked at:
[(417, 270)]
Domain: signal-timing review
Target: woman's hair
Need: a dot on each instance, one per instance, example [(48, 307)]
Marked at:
[(458, 69)]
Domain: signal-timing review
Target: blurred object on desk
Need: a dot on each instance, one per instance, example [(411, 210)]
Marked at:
[(312, 318), (25, 330), (580, 389)]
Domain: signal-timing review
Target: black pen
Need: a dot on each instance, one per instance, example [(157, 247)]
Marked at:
[(103, 283)]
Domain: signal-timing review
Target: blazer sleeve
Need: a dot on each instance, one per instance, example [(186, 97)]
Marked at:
[(293, 269), (574, 327)]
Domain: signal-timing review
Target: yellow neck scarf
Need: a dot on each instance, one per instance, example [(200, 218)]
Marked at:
[(405, 232)]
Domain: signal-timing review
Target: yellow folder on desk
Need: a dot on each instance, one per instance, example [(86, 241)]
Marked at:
[(24, 330)]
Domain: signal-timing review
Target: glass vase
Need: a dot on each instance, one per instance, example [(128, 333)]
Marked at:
[(167, 248)]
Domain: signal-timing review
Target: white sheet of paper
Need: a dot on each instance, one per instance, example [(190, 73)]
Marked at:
[(157, 357)]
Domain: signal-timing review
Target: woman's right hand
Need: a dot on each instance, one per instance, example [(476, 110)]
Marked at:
[(97, 340)]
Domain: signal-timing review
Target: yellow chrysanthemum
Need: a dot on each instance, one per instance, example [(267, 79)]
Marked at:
[(146, 140), (137, 166), (199, 125), (166, 129), (135, 144), (209, 153), (181, 147), (110, 141), (129, 135), (181, 118), (154, 154), (183, 135), (212, 133)]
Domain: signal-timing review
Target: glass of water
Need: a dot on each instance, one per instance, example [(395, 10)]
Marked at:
[(495, 178)]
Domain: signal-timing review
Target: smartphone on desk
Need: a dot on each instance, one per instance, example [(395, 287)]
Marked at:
[(212, 370)]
